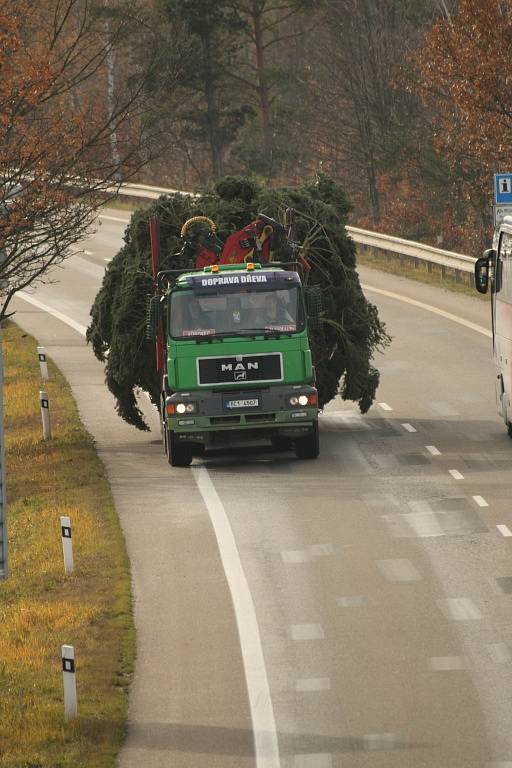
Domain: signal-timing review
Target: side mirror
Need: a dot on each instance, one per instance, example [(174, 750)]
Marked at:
[(153, 316), (482, 271), (314, 306)]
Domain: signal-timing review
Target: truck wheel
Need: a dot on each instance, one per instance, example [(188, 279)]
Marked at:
[(509, 429), (308, 447), (178, 454)]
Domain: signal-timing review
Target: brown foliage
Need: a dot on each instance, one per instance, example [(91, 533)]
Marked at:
[(56, 132)]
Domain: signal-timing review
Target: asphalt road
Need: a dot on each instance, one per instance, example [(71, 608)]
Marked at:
[(351, 611)]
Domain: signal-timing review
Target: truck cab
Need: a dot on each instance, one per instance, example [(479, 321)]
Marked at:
[(238, 364)]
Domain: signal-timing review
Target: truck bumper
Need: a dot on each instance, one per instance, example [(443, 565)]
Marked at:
[(214, 424)]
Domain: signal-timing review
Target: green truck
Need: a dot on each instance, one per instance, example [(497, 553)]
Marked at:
[(235, 359)]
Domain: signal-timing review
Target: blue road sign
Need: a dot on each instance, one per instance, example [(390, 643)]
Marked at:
[(503, 188)]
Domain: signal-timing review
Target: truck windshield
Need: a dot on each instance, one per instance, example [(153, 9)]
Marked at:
[(239, 313)]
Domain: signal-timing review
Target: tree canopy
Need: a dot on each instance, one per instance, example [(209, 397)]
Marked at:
[(350, 332)]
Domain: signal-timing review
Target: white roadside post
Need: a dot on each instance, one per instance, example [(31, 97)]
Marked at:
[(41, 353), (45, 415), (67, 544), (68, 674)]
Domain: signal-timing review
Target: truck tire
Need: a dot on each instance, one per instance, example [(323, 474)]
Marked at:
[(509, 429), (178, 454), (308, 447)]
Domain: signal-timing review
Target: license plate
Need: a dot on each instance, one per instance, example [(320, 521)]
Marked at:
[(249, 402)]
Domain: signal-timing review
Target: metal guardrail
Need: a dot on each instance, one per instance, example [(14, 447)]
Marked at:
[(449, 265)]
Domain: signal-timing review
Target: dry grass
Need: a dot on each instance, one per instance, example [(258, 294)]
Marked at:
[(40, 607)]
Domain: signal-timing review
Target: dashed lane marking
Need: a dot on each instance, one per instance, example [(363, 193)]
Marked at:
[(433, 450), (385, 407), (307, 632), (460, 609), (480, 501), (447, 663), (456, 474), (398, 570), (312, 684), (504, 530), (408, 427)]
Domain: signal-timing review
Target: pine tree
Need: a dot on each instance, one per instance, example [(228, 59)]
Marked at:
[(350, 331)]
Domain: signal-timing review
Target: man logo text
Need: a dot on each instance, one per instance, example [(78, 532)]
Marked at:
[(239, 367)]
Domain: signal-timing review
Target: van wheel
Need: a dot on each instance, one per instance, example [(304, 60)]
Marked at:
[(178, 454), (308, 447)]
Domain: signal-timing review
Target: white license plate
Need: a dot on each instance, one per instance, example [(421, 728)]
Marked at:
[(248, 403)]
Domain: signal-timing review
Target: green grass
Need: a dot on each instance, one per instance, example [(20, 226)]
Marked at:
[(40, 607)]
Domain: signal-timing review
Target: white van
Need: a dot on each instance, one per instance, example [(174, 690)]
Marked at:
[(495, 268)]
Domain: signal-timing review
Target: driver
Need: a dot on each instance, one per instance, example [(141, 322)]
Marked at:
[(198, 319), (274, 312)]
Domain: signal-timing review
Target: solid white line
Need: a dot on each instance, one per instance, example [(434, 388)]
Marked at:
[(504, 530), (430, 308), (408, 427), (480, 501), (456, 474), (113, 218), (433, 450), (258, 689), (51, 311), (385, 407)]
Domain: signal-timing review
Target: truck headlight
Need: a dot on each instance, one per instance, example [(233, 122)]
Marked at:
[(303, 400), (186, 408)]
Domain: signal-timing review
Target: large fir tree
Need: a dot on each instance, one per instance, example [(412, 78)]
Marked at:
[(348, 335)]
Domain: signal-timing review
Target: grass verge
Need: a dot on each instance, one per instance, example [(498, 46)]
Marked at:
[(40, 607)]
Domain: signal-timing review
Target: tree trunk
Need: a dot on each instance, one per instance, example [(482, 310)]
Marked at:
[(212, 117), (263, 88)]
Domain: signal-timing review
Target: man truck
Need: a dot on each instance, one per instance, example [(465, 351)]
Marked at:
[(236, 361)]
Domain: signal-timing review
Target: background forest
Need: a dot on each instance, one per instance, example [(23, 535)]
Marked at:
[(405, 103)]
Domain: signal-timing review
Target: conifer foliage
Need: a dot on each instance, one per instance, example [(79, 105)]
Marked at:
[(350, 331)]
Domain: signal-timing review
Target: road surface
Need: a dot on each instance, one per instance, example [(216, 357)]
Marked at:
[(351, 611)]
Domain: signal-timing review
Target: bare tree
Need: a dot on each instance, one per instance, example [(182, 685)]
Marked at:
[(57, 120)]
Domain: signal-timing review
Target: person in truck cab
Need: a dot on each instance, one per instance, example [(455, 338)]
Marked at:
[(274, 312)]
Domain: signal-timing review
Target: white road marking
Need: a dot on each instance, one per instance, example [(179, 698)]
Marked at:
[(89, 253), (447, 663), (113, 218), (321, 550), (398, 570), (499, 652), (504, 530), (433, 450), (374, 741), (430, 308), (460, 609), (385, 407), (480, 501), (107, 259), (307, 632), (409, 427), (456, 474), (54, 312), (351, 602), (319, 760), (292, 556), (258, 689), (310, 684)]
